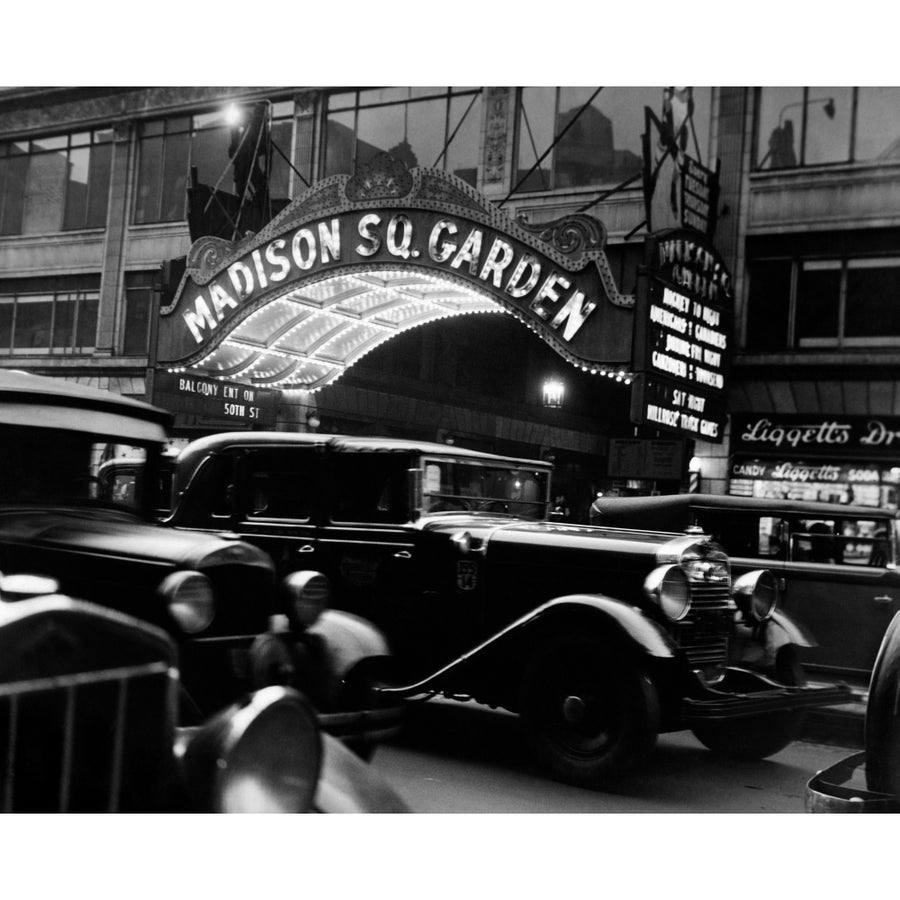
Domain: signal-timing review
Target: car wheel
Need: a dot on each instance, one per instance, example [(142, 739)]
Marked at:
[(882, 730), (590, 712), (756, 737)]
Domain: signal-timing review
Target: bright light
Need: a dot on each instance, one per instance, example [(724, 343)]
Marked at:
[(553, 392), (233, 115)]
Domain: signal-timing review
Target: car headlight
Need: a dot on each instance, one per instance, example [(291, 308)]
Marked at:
[(304, 595), (668, 587), (190, 599), (262, 755), (756, 594)]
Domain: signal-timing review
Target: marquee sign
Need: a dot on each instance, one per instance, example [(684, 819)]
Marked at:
[(238, 405), (682, 337), (357, 260)]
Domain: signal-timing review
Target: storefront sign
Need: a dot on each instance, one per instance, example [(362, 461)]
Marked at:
[(682, 342), (821, 435), (209, 398), (635, 458)]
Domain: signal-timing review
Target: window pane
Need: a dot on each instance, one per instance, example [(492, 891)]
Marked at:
[(878, 123), (7, 305), (461, 157), (873, 298), (536, 119), (377, 130), (63, 322), (279, 171), (828, 115), (421, 137), (87, 321), (32, 332), (175, 173), (818, 302), (45, 189), (383, 95), (98, 185), (149, 180), (13, 169), (137, 321), (209, 155), (76, 190), (768, 304), (339, 146), (779, 127)]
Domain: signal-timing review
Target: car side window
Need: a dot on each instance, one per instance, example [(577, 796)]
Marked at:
[(209, 501), (277, 483), (369, 488), (744, 533)]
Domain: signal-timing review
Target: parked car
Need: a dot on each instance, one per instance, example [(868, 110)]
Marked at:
[(599, 638), (88, 715), (869, 781), (235, 626), (837, 565)]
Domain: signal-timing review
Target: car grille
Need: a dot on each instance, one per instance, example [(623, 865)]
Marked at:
[(703, 633), (88, 741)]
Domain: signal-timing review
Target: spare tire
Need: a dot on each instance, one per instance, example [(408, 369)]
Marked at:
[(882, 730)]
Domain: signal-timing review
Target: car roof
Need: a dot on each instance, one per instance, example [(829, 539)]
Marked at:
[(58, 403), (675, 508), (195, 452)]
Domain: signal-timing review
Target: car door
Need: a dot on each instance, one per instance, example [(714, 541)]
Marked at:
[(276, 498), (841, 582), (366, 541)]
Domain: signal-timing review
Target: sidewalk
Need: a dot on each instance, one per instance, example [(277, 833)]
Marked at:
[(842, 725)]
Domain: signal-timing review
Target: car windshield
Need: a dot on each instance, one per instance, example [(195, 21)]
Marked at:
[(472, 485), (60, 467)]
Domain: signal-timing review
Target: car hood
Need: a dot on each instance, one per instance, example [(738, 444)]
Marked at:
[(506, 530), (119, 533)]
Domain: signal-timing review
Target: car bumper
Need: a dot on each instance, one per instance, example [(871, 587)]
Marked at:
[(841, 789), (741, 693)]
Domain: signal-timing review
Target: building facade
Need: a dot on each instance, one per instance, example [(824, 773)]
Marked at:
[(103, 190)]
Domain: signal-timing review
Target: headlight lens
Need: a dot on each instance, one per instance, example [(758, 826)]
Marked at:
[(305, 594), (190, 599), (669, 589), (756, 594), (262, 756)]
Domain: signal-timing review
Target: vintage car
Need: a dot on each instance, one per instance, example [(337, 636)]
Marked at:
[(836, 564), (600, 638), (235, 626), (88, 706), (869, 781)]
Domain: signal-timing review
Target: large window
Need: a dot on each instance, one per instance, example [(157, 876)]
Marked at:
[(430, 127), (807, 301), (803, 126), (55, 183), (139, 294), (599, 143), (170, 148), (49, 315)]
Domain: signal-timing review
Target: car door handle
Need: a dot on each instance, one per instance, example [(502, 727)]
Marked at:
[(883, 600), (403, 554), (306, 548)]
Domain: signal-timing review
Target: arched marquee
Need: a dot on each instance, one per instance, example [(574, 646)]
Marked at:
[(360, 259)]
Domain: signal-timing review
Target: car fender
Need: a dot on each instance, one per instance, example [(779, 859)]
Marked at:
[(573, 613), (347, 639), (757, 646)]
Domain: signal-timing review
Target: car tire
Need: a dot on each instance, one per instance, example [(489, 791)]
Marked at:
[(882, 729), (756, 737), (591, 713)]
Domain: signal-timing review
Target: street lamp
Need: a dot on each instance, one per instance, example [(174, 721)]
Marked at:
[(553, 392)]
